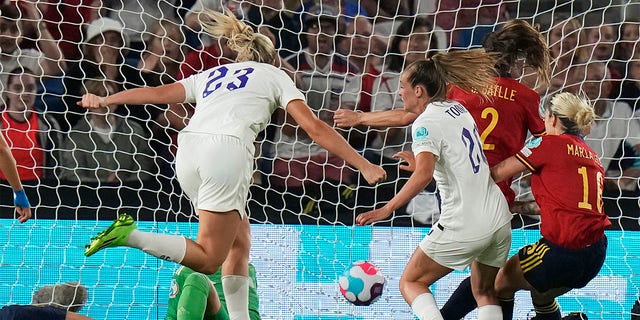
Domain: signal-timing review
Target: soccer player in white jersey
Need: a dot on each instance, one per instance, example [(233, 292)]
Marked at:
[(474, 227), (214, 162)]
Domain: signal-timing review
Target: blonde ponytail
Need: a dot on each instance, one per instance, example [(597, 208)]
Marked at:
[(249, 46)]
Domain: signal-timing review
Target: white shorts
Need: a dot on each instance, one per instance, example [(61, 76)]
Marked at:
[(214, 171), (445, 248)]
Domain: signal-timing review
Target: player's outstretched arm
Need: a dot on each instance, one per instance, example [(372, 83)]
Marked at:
[(166, 94), (331, 140), (507, 169), (345, 118), (8, 167), (422, 176)]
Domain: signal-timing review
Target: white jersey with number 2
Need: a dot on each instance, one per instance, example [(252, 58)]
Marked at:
[(237, 99), (472, 204)]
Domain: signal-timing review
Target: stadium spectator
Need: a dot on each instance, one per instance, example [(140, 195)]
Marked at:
[(362, 46), (10, 172), (302, 168), (563, 39), (164, 51), (412, 42), (58, 302), (284, 25), (136, 17), (105, 147), (458, 18), (626, 46), (46, 61), (599, 43), (32, 135), (615, 126), (66, 21), (630, 88), (474, 226), (572, 225), (365, 50), (214, 164), (386, 15), (195, 296), (104, 49)]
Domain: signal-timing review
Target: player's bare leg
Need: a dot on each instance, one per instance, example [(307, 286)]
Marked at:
[(235, 274), (483, 287), (421, 272)]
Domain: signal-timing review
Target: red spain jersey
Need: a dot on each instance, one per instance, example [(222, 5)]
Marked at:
[(567, 181), (503, 121)]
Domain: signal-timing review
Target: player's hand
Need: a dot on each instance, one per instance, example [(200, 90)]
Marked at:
[(372, 216), (23, 207), (345, 118), (91, 101), (374, 174), (409, 158)]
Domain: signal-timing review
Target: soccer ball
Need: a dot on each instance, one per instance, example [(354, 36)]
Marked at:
[(362, 283)]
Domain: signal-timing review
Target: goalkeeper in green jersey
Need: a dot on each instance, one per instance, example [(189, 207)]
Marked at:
[(195, 296)]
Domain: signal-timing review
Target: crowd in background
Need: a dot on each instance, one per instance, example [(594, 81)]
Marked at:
[(341, 54)]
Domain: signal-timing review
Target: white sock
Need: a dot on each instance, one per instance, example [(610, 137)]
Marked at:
[(163, 246), (236, 293), (490, 312), (425, 308)]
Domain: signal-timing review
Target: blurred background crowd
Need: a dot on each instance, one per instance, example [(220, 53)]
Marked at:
[(343, 54)]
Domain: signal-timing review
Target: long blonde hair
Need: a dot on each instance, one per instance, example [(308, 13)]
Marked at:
[(249, 45), (470, 70)]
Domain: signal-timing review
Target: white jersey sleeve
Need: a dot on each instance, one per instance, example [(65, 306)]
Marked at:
[(426, 137)]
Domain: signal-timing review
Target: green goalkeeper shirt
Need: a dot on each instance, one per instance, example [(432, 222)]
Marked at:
[(181, 275)]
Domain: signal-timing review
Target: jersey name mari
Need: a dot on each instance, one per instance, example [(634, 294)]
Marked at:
[(566, 181), (237, 99), (472, 203)]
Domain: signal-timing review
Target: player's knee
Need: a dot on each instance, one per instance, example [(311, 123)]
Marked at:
[(404, 285), (210, 266), (198, 281)]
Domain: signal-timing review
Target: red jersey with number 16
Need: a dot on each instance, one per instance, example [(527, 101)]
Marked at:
[(567, 180), (503, 121)]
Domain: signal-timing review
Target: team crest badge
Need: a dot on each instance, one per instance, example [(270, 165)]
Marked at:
[(534, 143), (173, 289), (421, 133)]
